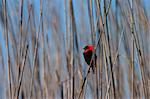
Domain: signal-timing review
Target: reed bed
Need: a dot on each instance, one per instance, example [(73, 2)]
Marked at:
[(41, 55)]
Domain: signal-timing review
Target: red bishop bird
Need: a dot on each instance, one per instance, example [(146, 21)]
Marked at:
[(88, 52)]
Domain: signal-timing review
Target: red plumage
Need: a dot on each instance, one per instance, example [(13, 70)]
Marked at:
[(88, 52)]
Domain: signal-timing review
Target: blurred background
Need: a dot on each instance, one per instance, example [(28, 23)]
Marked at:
[(41, 49)]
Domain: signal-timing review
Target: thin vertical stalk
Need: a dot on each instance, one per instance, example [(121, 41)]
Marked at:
[(109, 49), (118, 61), (76, 56), (73, 27), (44, 89), (22, 71), (20, 40), (90, 11), (68, 45), (7, 47), (106, 67), (132, 91), (140, 58), (35, 52)]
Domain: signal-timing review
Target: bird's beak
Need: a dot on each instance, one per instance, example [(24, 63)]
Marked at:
[(84, 48)]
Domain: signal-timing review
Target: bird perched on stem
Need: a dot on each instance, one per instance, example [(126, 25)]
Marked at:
[(88, 52)]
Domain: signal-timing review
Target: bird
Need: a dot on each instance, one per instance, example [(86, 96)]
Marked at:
[(87, 53)]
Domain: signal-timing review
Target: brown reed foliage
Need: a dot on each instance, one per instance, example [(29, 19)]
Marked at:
[(41, 49)]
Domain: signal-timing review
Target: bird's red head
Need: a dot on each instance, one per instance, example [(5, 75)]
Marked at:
[(88, 48)]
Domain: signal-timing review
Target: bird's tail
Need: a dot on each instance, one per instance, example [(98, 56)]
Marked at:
[(93, 66)]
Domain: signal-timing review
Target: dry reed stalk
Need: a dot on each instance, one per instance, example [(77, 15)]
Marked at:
[(22, 70), (109, 49), (7, 47), (20, 41), (140, 57), (35, 53)]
